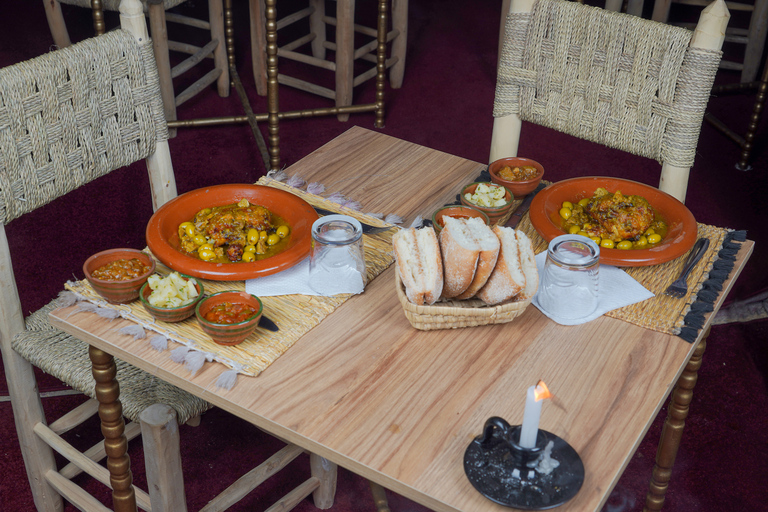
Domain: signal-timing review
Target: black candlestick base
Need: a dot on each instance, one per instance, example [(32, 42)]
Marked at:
[(526, 478)]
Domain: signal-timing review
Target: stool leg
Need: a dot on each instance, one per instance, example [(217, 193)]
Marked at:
[(162, 458), (317, 28), (325, 471), (113, 429), (258, 45), (56, 23), (672, 432), (345, 52), (400, 43), (159, 33), (220, 60)]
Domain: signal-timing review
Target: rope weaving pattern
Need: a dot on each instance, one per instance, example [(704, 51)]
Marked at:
[(73, 115), (612, 78), (66, 358)]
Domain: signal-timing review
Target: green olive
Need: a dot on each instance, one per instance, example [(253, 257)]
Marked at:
[(273, 239), (249, 256), (282, 231), (607, 243), (583, 202), (641, 242), (596, 239), (654, 238), (263, 235), (568, 204), (565, 213), (249, 248), (206, 254), (624, 245), (574, 229), (253, 236), (199, 239)]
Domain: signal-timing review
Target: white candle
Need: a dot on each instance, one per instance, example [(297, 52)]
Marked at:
[(532, 414)]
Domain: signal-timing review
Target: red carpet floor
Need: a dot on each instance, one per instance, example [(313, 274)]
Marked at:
[(445, 103)]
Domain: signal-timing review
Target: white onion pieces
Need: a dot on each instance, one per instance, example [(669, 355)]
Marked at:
[(170, 292)]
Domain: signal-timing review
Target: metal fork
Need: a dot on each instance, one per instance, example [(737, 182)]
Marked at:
[(367, 228), (679, 288)]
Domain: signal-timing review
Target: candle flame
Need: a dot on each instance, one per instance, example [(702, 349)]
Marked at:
[(541, 392)]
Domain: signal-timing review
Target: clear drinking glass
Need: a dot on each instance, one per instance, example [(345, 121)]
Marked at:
[(569, 284), (337, 258)]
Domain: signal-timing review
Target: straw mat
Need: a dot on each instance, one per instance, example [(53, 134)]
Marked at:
[(294, 314), (660, 313)]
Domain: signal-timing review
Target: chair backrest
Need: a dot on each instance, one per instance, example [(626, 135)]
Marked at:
[(607, 77), (71, 116)]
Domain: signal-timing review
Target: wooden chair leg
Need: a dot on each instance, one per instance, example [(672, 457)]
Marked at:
[(400, 43), (220, 58), (56, 23), (113, 428), (345, 52), (325, 471), (159, 33), (379, 497), (672, 432), (160, 437)]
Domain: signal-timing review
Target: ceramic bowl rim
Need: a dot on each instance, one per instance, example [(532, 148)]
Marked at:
[(527, 161), (200, 296), (107, 282), (483, 215), (492, 209), (203, 321)]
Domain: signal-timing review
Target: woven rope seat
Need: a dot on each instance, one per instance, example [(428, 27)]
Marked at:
[(66, 358), (641, 95), (114, 5)]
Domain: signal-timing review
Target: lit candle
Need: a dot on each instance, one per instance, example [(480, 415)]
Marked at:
[(530, 429)]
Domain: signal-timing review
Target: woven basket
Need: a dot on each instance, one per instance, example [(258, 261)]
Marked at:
[(454, 314)]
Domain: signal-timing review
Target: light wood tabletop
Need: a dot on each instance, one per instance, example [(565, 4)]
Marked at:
[(399, 406)]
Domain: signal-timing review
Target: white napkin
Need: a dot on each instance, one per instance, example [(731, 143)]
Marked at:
[(295, 280), (616, 289)]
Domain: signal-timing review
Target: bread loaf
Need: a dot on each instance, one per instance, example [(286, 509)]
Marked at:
[(489, 252), (507, 278), (419, 264), (461, 242), (528, 264)]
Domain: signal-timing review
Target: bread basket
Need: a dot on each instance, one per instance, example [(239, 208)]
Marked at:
[(455, 314)]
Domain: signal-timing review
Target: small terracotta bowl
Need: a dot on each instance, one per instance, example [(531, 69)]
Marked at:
[(171, 315), (493, 213), (518, 188), (457, 211), (117, 292), (229, 334)]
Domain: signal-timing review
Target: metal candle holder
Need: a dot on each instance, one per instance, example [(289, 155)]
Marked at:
[(537, 478)]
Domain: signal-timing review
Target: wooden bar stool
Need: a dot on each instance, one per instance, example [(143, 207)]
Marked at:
[(344, 47), (752, 37), (158, 18)]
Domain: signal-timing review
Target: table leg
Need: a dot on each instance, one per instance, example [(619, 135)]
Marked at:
[(672, 432), (325, 471), (113, 429)]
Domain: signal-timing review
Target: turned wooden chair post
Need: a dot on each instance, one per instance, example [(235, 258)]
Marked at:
[(672, 432)]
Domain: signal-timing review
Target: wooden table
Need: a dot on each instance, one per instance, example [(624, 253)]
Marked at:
[(399, 406)]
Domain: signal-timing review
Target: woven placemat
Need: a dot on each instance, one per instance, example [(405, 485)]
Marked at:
[(682, 317), (294, 314)]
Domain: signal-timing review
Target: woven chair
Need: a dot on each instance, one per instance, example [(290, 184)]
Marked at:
[(156, 10), (612, 78), (311, 48), (67, 118)]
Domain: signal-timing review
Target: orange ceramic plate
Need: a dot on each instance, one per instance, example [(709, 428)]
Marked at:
[(682, 228), (163, 238)]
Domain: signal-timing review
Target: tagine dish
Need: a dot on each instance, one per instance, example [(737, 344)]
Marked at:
[(636, 224), (232, 232)]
